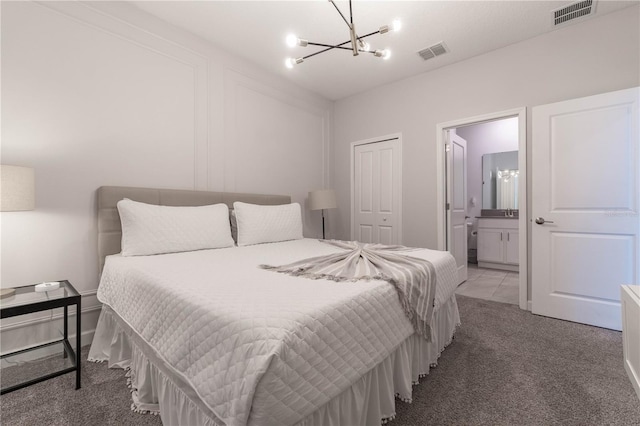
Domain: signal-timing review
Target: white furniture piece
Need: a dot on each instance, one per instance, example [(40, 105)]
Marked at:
[(498, 241), (631, 333)]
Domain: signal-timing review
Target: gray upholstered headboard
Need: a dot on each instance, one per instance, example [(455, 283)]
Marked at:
[(110, 230)]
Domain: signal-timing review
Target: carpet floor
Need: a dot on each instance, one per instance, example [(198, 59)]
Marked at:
[(505, 367)]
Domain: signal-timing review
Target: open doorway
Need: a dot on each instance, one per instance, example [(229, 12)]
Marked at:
[(491, 227), (482, 208)]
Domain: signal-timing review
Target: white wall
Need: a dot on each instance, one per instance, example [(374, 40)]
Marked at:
[(552, 67), (103, 94), (485, 138)]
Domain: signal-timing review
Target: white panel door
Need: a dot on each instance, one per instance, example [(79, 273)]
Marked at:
[(457, 202), (585, 206), (376, 197)]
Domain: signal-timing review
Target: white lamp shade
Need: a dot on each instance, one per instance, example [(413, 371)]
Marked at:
[(322, 199), (17, 188)]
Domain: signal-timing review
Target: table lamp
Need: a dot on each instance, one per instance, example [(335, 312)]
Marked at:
[(320, 200), (17, 193)]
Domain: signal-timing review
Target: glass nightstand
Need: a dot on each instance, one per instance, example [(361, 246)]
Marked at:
[(25, 301)]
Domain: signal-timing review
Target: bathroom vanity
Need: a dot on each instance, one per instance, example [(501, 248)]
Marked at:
[(498, 241), (498, 236)]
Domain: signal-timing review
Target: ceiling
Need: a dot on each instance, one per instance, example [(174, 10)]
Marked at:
[(256, 30)]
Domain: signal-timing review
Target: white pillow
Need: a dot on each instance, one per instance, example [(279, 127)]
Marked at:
[(267, 224), (151, 229)]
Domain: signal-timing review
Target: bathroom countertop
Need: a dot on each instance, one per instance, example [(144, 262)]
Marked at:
[(499, 214), (497, 217)]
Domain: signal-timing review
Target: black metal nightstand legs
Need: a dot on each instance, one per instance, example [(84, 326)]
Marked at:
[(78, 339), (66, 329)]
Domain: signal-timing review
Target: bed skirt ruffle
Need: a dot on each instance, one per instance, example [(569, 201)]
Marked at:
[(157, 389)]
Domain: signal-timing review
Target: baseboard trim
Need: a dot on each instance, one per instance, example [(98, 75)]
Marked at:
[(37, 331), (34, 321), (87, 338), (500, 266)]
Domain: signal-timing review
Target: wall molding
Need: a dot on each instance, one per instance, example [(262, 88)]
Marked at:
[(242, 79), (90, 16), (233, 80)]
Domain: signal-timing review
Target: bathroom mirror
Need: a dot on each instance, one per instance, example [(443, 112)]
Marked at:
[(500, 180)]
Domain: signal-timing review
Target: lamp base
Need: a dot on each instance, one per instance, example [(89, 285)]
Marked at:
[(7, 292)]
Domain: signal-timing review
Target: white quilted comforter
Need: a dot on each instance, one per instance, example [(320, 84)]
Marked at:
[(258, 347)]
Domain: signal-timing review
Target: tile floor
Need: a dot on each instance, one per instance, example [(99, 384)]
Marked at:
[(491, 284)]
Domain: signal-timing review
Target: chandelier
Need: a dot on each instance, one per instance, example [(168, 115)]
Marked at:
[(358, 45)]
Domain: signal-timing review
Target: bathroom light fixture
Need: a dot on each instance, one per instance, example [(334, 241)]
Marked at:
[(357, 43)]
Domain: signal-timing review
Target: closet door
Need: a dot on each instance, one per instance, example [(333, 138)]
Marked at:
[(376, 196)]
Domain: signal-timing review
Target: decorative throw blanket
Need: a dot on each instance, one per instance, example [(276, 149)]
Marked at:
[(414, 279)]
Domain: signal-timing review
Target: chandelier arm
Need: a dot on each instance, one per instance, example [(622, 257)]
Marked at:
[(328, 45), (365, 36), (320, 51), (327, 49), (369, 35), (350, 13), (334, 47), (343, 18), (339, 46), (317, 53)]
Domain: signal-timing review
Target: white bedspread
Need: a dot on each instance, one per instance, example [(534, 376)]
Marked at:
[(258, 347)]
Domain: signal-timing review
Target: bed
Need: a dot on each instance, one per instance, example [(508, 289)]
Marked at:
[(209, 338)]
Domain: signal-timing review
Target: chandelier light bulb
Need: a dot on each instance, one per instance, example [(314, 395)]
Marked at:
[(292, 40), (364, 45), (384, 54), (395, 26), (290, 62)]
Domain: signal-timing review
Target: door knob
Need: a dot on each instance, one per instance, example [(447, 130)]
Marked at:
[(384, 219), (541, 221)]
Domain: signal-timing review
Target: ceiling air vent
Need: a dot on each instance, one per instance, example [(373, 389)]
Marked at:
[(433, 51), (573, 11)]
